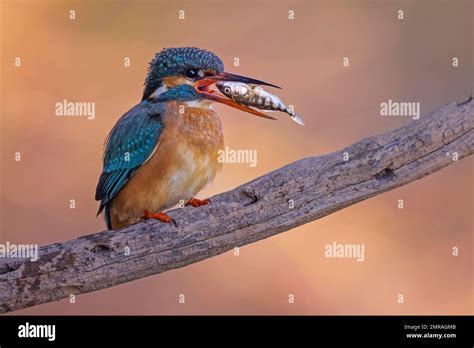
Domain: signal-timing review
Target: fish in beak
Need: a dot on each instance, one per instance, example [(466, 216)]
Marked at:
[(202, 86)]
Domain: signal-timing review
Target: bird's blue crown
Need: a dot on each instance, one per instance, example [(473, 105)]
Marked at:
[(175, 62)]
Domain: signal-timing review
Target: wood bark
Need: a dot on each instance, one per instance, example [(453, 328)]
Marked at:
[(293, 195)]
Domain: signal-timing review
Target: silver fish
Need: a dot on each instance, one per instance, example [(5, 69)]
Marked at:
[(257, 97)]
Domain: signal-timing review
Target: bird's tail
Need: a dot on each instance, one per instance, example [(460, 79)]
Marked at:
[(108, 220), (106, 209)]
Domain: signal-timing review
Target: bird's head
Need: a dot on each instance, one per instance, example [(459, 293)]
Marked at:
[(187, 73)]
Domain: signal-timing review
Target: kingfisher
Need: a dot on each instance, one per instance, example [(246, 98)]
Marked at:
[(165, 148)]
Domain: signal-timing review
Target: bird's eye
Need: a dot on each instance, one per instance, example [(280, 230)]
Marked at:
[(227, 90), (191, 73)]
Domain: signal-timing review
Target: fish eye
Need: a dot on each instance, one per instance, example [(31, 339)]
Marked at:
[(227, 90)]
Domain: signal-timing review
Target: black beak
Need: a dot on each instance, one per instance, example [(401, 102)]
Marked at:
[(224, 76)]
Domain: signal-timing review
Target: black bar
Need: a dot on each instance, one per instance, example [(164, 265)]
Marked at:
[(141, 330)]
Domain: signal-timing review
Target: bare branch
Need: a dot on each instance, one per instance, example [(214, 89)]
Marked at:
[(317, 186)]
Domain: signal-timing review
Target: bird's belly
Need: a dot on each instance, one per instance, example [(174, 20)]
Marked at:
[(189, 172), (171, 175), (183, 163)]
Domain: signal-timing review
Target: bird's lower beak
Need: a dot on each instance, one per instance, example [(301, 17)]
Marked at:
[(202, 86)]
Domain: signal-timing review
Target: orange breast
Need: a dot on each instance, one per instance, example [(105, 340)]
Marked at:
[(184, 162)]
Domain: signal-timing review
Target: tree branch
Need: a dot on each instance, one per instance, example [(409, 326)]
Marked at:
[(315, 186)]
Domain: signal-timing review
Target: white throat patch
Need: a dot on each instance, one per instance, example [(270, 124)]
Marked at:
[(201, 103), (158, 91)]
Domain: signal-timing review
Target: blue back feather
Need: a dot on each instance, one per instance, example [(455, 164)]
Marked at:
[(129, 144)]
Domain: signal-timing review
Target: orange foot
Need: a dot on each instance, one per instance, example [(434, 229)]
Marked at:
[(157, 216), (197, 202)]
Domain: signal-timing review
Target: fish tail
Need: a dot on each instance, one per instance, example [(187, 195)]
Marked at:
[(297, 118), (289, 111)]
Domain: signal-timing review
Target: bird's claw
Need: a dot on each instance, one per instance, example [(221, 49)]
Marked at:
[(158, 216), (198, 202)]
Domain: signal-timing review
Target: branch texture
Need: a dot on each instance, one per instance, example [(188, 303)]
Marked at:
[(318, 186)]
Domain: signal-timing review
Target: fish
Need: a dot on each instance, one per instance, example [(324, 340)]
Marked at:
[(257, 97)]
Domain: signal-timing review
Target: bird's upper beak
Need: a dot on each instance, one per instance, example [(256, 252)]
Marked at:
[(202, 86)]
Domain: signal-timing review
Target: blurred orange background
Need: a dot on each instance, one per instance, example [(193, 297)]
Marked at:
[(407, 251)]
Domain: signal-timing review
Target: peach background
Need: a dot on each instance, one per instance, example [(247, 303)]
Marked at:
[(407, 251)]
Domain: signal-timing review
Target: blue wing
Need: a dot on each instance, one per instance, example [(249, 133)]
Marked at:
[(129, 144)]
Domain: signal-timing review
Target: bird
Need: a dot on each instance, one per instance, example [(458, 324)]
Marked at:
[(165, 149)]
